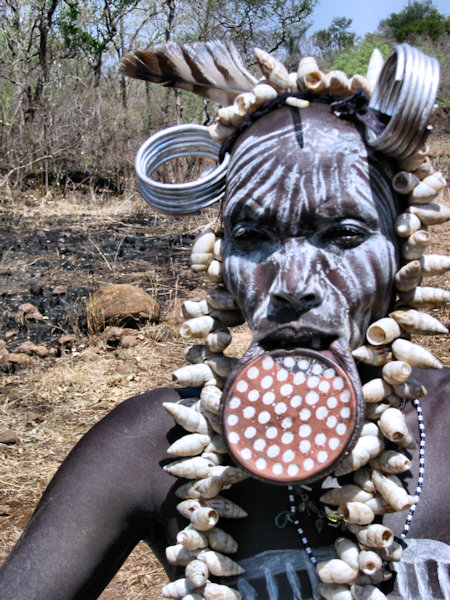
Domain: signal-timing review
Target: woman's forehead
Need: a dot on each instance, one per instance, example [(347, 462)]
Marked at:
[(306, 161)]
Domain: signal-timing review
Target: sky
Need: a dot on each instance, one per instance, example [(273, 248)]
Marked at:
[(366, 14)]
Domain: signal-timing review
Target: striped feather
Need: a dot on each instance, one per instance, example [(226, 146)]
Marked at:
[(213, 70)]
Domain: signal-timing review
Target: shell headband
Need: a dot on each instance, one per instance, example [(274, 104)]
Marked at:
[(404, 91)]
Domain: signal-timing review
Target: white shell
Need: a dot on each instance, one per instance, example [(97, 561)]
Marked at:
[(199, 326), (217, 459), (336, 570), (210, 397), (220, 364), (228, 116), (415, 355), (413, 162), (404, 182), (180, 555), (221, 299), (217, 444), (275, 72), (407, 224), (226, 508), (396, 371), (200, 262), (373, 355), (434, 264), (219, 564), (410, 389), (409, 276), (309, 77), (176, 589), (188, 418), (204, 518), (347, 551), (189, 445), (334, 591), (262, 92), (218, 340), (229, 475), (416, 245), (190, 468), (391, 462), (379, 505), (358, 82), (370, 428), (392, 423), (214, 591), (338, 84), (425, 168), (192, 539), (392, 491), (374, 410), (432, 213), (193, 308), (366, 448), (197, 573), (382, 331), (394, 552), (425, 296), (374, 535), (221, 541), (357, 512), (204, 243), (374, 68), (218, 249), (428, 189), (345, 493), (375, 390), (214, 271), (363, 479), (369, 562), (193, 375), (219, 133), (418, 322), (203, 488)]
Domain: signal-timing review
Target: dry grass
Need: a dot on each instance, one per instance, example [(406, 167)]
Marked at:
[(53, 402)]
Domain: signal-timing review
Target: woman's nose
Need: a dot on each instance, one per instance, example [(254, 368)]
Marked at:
[(297, 284)]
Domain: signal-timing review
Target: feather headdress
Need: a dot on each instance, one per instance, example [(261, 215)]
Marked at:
[(213, 70)]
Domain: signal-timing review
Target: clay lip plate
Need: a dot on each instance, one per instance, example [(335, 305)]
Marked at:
[(289, 416)]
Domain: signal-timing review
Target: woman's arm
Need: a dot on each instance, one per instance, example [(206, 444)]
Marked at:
[(107, 495)]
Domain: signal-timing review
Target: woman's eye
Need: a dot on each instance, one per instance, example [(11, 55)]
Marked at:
[(345, 236), (244, 235)]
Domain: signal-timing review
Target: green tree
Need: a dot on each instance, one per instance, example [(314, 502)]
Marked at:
[(356, 59), (335, 39), (417, 19)]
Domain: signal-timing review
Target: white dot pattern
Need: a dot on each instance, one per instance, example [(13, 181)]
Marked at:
[(289, 417)]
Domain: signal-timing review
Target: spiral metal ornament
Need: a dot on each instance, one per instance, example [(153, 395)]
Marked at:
[(180, 198), (405, 92)]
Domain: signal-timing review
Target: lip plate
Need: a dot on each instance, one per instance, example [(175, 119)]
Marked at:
[(235, 423)]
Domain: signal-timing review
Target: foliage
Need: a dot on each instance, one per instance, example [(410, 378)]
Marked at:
[(335, 39), (417, 19), (356, 59)]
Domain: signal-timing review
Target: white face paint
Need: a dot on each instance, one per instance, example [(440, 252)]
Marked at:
[(310, 252)]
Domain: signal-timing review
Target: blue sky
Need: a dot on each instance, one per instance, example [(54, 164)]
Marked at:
[(366, 14)]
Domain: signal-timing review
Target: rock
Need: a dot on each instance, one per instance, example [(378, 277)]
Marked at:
[(67, 340), (12, 333), (59, 290), (91, 353), (8, 437), (35, 417), (114, 333), (19, 359), (30, 348), (129, 341), (118, 304), (29, 311), (5, 510), (123, 369)]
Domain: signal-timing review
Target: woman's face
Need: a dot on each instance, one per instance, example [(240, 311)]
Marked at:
[(310, 253)]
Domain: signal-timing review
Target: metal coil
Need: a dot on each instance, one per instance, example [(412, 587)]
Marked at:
[(180, 198), (406, 92)]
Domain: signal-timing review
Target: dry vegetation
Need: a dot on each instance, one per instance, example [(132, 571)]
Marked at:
[(81, 242)]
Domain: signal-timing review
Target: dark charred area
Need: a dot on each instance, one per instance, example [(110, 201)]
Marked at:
[(56, 263)]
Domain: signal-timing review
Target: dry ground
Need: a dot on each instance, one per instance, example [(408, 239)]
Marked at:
[(81, 242)]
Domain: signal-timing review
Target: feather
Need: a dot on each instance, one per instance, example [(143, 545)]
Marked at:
[(213, 70)]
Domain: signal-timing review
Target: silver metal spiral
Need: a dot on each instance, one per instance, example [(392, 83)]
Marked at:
[(180, 198), (406, 92)]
